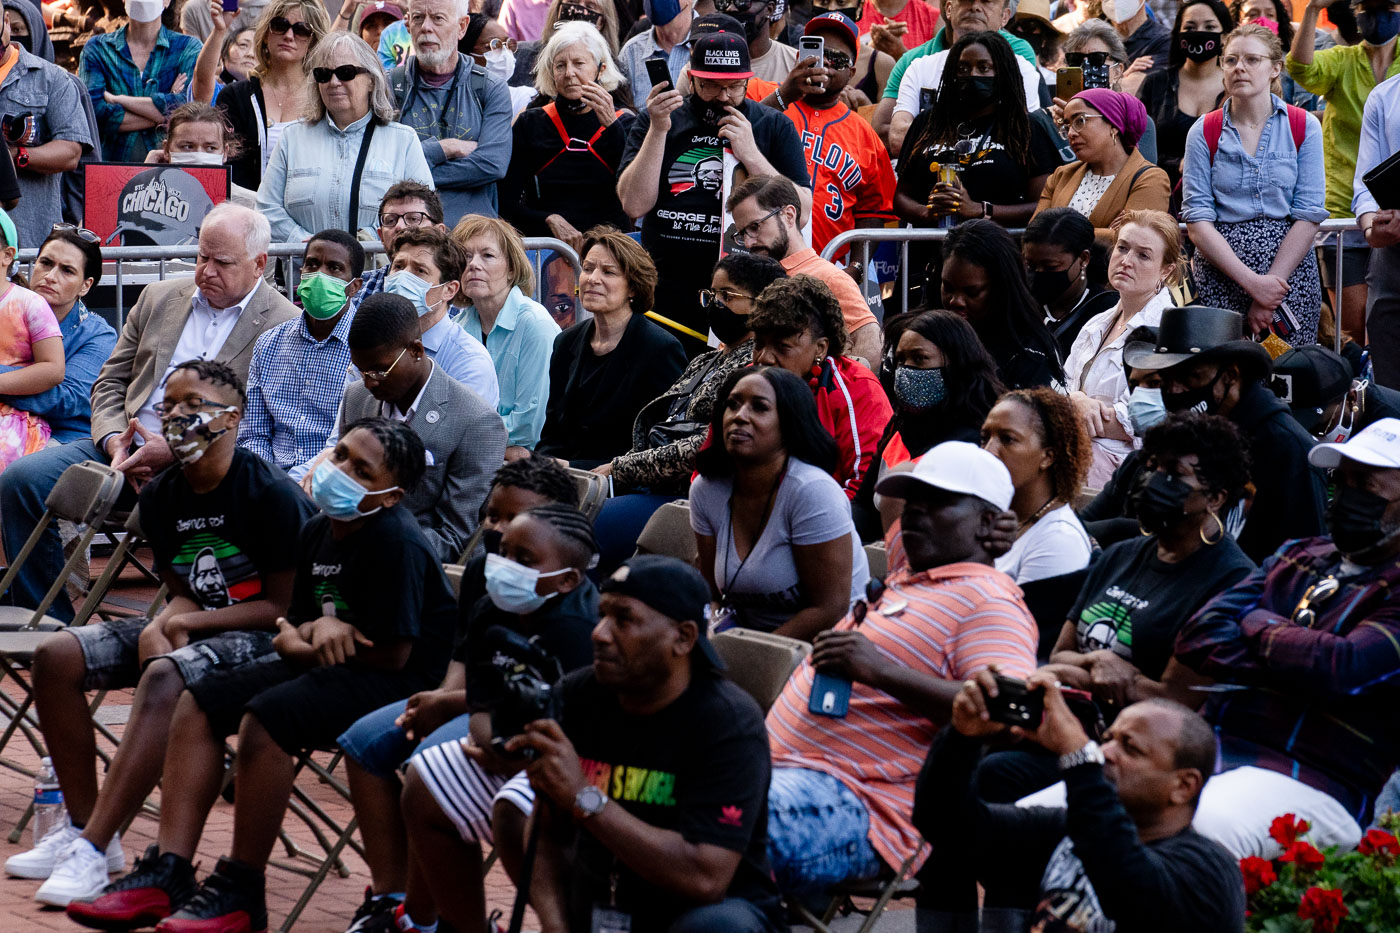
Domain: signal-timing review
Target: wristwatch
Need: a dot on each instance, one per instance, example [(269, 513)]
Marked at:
[(22, 158), (1090, 753), (589, 802)]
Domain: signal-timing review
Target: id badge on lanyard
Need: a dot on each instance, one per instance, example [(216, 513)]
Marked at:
[(610, 919)]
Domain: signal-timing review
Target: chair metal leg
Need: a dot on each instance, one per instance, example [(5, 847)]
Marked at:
[(332, 858)]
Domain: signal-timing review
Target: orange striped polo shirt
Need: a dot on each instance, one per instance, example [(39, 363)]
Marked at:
[(949, 622)]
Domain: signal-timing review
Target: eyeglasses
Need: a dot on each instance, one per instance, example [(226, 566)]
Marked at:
[(280, 25), (1077, 123), (82, 232), (409, 218), (1250, 61), (346, 73), (724, 296), (185, 406), (1077, 59), (751, 231), (377, 375), (572, 12), (836, 60), (498, 44)]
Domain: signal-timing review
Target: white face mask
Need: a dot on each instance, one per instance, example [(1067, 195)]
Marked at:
[(501, 63), (1120, 11), (144, 11), (196, 158)]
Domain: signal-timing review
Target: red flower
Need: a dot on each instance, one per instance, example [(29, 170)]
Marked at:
[(1304, 855), (1378, 841), (1286, 829), (1324, 908), (1258, 873)]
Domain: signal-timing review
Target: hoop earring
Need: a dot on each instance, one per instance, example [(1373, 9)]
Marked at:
[(1218, 538)]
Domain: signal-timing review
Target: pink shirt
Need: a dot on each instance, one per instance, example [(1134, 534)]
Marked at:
[(523, 20)]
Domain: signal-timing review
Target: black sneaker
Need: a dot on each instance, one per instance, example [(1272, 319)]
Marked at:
[(372, 906), (231, 900), (156, 886)]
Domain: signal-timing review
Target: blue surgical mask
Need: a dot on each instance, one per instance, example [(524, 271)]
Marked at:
[(1378, 26), (1145, 409), (339, 495), (410, 286), (511, 586)]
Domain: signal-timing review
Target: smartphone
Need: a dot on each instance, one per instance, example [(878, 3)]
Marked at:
[(831, 696), (1285, 321), (927, 96), (659, 72), (230, 6), (1068, 82), (812, 46)]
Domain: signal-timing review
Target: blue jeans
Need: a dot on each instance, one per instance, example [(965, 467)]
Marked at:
[(377, 745), (731, 915), (23, 487), (818, 832)]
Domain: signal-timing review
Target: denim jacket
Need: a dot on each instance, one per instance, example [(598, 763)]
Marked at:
[(306, 187), (1277, 182)]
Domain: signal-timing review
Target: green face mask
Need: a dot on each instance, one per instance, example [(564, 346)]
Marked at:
[(322, 296)]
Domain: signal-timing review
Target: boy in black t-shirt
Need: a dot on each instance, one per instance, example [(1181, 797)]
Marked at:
[(370, 621), (656, 774), (221, 525)]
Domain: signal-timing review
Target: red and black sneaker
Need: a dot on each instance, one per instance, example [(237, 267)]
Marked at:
[(231, 900), (155, 887)]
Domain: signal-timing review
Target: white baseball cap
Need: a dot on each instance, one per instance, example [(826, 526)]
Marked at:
[(1378, 446), (956, 466)]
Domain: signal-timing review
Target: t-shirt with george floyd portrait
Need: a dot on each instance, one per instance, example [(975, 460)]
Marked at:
[(223, 542), (681, 232), (699, 767), (1133, 602)]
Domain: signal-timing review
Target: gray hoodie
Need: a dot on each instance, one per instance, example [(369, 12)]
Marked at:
[(38, 41)]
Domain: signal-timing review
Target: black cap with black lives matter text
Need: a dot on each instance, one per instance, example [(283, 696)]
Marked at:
[(720, 56)]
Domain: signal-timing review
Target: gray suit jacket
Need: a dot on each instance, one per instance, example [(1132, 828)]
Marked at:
[(466, 440), (147, 343)]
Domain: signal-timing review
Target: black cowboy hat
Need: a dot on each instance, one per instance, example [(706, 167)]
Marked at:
[(1199, 333)]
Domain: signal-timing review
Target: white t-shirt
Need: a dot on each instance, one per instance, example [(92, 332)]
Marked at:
[(776, 63), (810, 508), (1054, 545), (928, 72)]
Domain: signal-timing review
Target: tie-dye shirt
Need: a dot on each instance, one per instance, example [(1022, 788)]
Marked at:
[(25, 319)]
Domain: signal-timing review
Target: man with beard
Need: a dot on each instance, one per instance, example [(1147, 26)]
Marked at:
[(765, 209), (667, 179), (462, 115)]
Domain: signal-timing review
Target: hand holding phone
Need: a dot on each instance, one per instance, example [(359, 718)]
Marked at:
[(658, 72), (1068, 82)]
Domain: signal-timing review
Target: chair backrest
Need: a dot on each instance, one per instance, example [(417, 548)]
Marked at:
[(668, 533), (592, 492), (760, 662), (879, 560), (85, 493), (115, 565), (454, 577)]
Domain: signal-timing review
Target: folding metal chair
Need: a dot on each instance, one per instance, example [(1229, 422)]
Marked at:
[(668, 532), (760, 662), (882, 890)]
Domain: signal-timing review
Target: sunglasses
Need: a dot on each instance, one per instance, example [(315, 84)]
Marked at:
[(1077, 59), (836, 60), (739, 6), (346, 73), (82, 232), (280, 26), (573, 12)]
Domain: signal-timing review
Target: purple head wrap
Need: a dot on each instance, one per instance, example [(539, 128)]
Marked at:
[(1123, 111)]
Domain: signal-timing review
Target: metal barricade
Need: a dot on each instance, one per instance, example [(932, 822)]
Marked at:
[(862, 238), (116, 260)]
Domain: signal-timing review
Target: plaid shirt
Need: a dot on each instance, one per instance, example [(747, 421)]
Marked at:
[(1317, 701), (106, 65), (295, 385), (371, 283)]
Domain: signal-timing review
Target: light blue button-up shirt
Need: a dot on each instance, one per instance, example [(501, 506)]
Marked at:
[(630, 61), (1380, 137), (462, 358), (520, 344), (1276, 182)]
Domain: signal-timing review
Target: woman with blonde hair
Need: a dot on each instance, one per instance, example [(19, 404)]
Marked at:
[(562, 177), (1144, 261), (516, 330), (275, 95), (331, 169), (1253, 186)]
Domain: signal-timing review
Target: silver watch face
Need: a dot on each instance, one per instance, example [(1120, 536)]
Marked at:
[(590, 799)]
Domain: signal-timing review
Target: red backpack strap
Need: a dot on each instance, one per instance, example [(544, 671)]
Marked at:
[(1298, 123), (1214, 125), (551, 110)]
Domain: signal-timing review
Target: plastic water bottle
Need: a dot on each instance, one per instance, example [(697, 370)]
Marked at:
[(48, 801)]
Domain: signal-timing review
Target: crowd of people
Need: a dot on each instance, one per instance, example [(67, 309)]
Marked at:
[(1100, 451)]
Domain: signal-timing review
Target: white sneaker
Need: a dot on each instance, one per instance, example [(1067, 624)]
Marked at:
[(40, 860), (81, 871)]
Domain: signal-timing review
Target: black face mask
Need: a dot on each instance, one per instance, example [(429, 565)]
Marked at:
[(1047, 285), (753, 27), (728, 326), (1354, 518), (976, 93), (24, 42), (1199, 46), (1201, 399), (707, 111), (1160, 501), (491, 540)]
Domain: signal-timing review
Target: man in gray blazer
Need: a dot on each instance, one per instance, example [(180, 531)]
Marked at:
[(217, 315), (464, 436)]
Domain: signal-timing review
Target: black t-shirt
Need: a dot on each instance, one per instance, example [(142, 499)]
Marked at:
[(993, 173), (682, 231), (564, 626), (1134, 603), (224, 542), (1158, 94), (384, 579), (699, 767)]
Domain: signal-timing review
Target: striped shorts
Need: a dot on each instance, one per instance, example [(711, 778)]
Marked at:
[(465, 792)]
